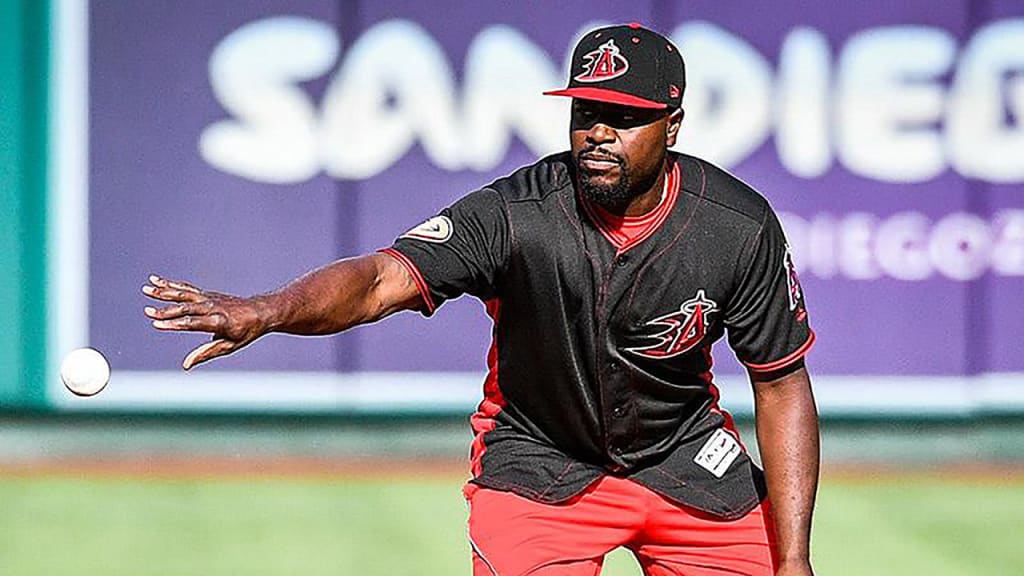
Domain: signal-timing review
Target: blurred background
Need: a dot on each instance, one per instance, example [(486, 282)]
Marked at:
[(238, 144)]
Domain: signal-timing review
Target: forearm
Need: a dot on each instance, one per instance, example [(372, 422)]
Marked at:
[(788, 439), (337, 296), (324, 301)]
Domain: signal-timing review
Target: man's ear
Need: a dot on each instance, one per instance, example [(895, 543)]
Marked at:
[(675, 120)]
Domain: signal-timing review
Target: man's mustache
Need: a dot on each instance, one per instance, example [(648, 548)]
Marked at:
[(599, 155)]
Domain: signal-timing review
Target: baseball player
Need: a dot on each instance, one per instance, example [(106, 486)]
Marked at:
[(609, 270)]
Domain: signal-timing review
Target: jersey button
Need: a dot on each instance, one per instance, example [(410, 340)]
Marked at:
[(619, 411), (622, 260)]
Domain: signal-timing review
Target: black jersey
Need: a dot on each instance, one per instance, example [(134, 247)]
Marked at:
[(601, 362)]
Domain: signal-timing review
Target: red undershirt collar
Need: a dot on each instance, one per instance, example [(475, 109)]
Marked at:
[(625, 232)]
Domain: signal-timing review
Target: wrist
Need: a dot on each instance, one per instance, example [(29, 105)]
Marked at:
[(794, 567), (795, 559), (269, 312)]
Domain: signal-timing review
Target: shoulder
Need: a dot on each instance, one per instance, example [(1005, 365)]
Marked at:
[(718, 187), (536, 181)]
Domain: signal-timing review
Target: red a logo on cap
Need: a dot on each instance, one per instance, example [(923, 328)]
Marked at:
[(603, 64)]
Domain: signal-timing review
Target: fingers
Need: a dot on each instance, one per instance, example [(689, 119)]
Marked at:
[(171, 291), (191, 310), (189, 323), (208, 351), (194, 314), (175, 284), (179, 310)]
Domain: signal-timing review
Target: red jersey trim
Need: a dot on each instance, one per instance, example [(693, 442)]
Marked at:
[(788, 359), (417, 278), (728, 423), (610, 218), (483, 420), (652, 221)]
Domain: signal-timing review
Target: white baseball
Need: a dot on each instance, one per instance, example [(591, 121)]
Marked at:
[(85, 372)]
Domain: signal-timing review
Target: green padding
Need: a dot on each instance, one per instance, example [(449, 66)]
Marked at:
[(23, 193)]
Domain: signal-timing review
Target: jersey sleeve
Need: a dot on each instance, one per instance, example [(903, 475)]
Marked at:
[(462, 250), (767, 316)]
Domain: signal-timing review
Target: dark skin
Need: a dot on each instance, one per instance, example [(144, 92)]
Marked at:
[(327, 300), (608, 142), (608, 138), (788, 439)]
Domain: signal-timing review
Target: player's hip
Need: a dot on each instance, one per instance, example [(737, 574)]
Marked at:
[(515, 535)]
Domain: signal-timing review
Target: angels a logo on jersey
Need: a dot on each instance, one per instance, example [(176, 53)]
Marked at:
[(437, 229), (684, 328), (796, 293), (602, 64)]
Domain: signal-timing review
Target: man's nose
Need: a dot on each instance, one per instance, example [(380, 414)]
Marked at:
[(600, 133)]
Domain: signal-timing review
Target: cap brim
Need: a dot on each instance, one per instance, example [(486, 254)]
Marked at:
[(606, 95)]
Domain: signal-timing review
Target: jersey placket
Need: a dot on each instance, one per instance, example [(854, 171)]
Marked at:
[(617, 272)]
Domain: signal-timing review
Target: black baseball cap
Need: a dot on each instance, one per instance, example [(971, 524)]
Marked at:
[(629, 65)]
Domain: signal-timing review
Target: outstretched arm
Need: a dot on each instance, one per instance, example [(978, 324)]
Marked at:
[(787, 435), (330, 299)]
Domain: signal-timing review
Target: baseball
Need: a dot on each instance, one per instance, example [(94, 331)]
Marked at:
[(85, 372)]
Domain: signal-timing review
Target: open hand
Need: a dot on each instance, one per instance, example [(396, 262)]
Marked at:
[(234, 322)]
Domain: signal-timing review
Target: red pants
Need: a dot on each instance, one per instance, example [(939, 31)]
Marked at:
[(514, 536)]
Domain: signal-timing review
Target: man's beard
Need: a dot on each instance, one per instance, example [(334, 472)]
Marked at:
[(615, 195)]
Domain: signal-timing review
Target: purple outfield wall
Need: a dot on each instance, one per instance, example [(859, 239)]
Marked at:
[(239, 144)]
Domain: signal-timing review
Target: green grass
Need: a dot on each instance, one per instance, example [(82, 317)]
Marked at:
[(931, 527), (99, 526)]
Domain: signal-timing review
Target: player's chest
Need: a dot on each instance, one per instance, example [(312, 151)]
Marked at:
[(657, 300)]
